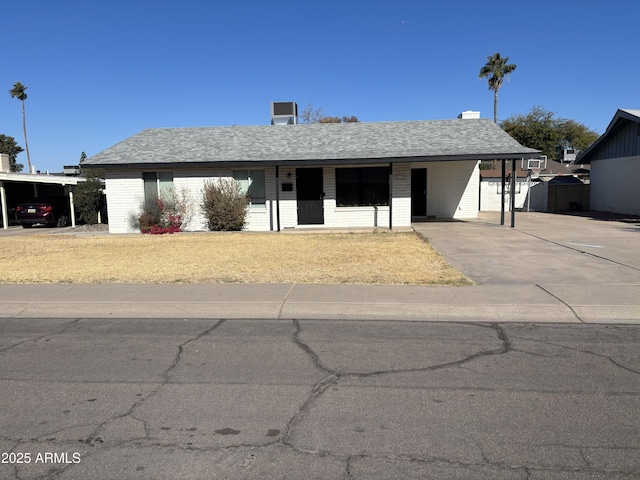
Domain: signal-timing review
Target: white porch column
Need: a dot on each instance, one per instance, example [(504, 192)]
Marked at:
[(5, 210), (71, 208)]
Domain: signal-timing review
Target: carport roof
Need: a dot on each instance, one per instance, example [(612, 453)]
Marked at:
[(362, 142), (40, 178)]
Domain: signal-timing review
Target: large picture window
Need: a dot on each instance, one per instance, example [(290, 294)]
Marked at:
[(253, 185), (362, 186)]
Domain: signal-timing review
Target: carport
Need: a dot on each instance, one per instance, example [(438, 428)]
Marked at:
[(31, 185)]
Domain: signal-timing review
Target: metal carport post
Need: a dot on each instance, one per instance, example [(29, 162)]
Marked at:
[(512, 197)]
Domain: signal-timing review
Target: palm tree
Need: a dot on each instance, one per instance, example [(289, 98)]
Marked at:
[(18, 91), (494, 71)]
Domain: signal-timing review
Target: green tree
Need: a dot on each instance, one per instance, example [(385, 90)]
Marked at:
[(87, 196), (19, 91), (576, 135), (9, 146), (495, 70), (540, 129)]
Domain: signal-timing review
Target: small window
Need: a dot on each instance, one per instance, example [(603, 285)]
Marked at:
[(364, 186), (156, 184), (253, 185)]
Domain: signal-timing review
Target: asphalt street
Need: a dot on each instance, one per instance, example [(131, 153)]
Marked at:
[(259, 399)]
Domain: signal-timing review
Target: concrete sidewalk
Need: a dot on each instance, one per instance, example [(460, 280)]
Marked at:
[(550, 268)]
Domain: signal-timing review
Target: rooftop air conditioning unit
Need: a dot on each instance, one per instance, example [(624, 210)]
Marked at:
[(71, 170), (284, 113), (568, 155)]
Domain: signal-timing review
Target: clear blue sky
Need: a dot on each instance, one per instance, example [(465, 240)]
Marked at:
[(98, 72)]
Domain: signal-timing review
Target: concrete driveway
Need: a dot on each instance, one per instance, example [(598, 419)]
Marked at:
[(542, 248)]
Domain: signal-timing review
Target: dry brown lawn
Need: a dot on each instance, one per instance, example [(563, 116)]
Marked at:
[(364, 258)]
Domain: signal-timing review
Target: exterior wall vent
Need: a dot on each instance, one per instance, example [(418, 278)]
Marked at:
[(284, 113)]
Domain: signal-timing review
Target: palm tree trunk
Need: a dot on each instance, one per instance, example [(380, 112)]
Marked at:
[(495, 106), (24, 128)]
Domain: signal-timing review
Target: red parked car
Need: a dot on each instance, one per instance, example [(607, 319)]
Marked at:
[(50, 211)]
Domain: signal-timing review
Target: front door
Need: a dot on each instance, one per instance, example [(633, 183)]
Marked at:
[(419, 192), (310, 196)]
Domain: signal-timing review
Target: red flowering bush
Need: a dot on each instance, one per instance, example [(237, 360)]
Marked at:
[(157, 217)]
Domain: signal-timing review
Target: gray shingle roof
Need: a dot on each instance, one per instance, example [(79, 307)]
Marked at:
[(316, 143)]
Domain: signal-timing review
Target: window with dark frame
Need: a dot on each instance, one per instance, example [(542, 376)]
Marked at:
[(362, 186), (156, 184), (252, 183)]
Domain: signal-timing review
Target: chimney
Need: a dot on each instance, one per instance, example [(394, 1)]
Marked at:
[(469, 115), (5, 165), (284, 113)]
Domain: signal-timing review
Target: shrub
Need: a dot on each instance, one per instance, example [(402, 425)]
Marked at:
[(167, 214), (224, 205)]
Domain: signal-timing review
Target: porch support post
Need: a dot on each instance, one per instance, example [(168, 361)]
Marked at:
[(278, 197), (390, 196), (5, 210), (502, 193), (72, 208), (513, 192)]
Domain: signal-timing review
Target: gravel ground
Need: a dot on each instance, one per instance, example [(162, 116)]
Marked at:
[(96, 228)]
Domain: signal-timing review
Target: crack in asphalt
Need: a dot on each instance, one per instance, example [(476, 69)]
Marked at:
[(63, 328), (586, 352), (331, 377), (130, 413)]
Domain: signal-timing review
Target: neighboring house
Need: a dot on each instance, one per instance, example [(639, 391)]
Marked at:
[(491, 189), (556, 188), (385, 174), (615, 165)]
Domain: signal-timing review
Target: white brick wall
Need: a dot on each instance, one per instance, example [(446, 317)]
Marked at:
[(124, 195), (401, 195), (452, 192), (452, 188)]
